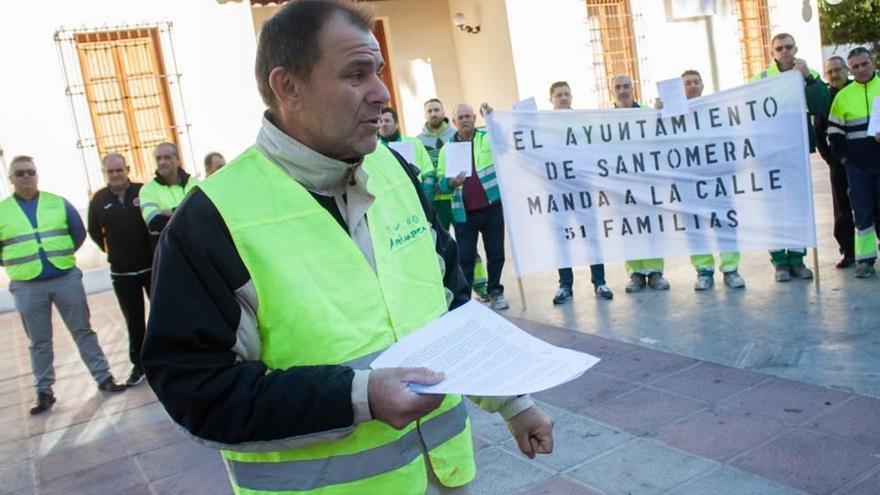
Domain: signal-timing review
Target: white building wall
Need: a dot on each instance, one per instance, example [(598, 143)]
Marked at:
[(214, 46)]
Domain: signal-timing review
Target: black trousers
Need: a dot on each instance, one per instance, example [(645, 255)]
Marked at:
[(490, 224), (130, 291), (844, 227)]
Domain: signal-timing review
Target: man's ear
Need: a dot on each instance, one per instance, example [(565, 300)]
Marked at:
[(285, 86)]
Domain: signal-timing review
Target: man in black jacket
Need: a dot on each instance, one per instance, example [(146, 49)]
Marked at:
[(116, 226)]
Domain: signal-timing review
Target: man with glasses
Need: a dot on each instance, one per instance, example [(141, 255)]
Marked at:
[(859, 152), (39, 234), (790, 262), (116, 226)]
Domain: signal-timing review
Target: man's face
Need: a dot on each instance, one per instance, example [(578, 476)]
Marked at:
[(784, 50), (693, 86), (434, 114), (115, 172), (622, 90), (167, 160), (215, 164), (561, 98), (836, 73), (465, 119), (339, 106), (387, 125), (862, 67), (23, 176)]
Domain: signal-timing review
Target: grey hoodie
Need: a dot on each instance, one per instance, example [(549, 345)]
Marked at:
[(433, 142)]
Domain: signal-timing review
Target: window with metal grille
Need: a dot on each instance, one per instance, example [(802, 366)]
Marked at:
[(121, 95), (613, 40), (753, 17)]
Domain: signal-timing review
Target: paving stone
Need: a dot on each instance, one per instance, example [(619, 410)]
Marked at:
[(501, 473), (67, 451), (643, 365), (643, 411), (603, 348), (119, 476), (174, 459), (639, 467), (12, 452), (480, 442), (728, 481), (867, 486), (547, 333), (15, 476), (810, 461), (710, 382), (792, 402), (208, 479), (718, 435), (575, 439), (490, 426), (558, 485), (857, 419), (588, 389)]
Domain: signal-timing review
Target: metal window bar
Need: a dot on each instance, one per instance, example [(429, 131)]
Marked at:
[(753, 22), (122, 98), (614, 38)]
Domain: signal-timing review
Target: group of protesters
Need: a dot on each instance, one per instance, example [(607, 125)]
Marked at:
[(226, 346)]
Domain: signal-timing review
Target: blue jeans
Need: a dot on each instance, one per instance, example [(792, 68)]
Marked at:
[(597, 276)]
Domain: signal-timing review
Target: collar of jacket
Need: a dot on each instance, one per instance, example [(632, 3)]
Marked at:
[(317, 173), (182, 178)]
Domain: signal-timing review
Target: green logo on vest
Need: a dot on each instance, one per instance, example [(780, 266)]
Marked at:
[(403, 233)]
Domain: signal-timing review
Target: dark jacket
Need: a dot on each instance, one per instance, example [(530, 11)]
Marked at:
[(119, 230)]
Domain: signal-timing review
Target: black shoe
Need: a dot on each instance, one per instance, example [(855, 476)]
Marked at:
[(562, 295), (137, 376), (44, 402), (110, 385), (845, 262)]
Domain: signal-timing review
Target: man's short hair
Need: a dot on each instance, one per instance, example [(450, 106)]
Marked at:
[(210, 156), (112, 155), (781, 36), (692, 72), (390, 110), (858, 51), (558, 84), (167, 145), (433, 100), (290, 38), (836, 58), (618, 76), (21, 158)]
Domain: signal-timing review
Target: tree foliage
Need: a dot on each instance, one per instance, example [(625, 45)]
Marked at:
[(850, 22)]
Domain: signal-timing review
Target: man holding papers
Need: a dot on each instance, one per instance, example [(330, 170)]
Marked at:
[(855, 144), (468, 172), (307, 256), (411, 149)]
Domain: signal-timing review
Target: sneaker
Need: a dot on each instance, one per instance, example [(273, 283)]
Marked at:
[(704, 282), (636, 282), (604, 292), (734, 280), (783, 273), (137, 376), (864, 270), (563, 295), (43, 403), (801, 271), (110, 385), (482, 292), (657, 282), (498, 301), (845, 262)]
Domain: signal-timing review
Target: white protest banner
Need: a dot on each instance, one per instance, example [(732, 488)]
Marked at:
[(585, 187), (459, 158)]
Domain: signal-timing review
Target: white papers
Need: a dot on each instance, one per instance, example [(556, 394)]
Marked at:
[(874, 123), (459, 158), (481, 353), (406, 150), (672, 95), (527, 105)]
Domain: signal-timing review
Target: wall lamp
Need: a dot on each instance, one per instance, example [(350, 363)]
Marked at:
[(461, 23)]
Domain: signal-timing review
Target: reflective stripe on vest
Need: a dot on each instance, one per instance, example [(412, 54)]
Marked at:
[(155, 197), (326, 305), (22, 242)]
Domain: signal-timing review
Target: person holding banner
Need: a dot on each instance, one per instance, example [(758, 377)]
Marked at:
[(560, 98), (411, 149), (476, 203), (790, 262), (647, 272), (705, 263), (859, 152)]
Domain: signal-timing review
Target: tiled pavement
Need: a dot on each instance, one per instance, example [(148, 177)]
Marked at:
[(768, 390), (642, 421)]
